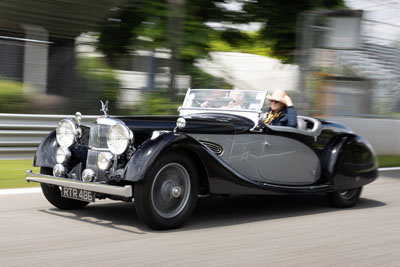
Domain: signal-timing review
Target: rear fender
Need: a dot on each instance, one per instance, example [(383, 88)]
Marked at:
[(350, 162)]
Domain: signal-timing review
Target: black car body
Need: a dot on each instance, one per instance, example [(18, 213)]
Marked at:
[(165, 162)]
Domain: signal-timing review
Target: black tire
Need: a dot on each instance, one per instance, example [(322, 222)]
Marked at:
[(53, 195), (168, 194), (344, 198)]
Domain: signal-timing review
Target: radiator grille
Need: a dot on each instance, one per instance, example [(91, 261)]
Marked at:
[(98, 136), (91, 163), (97, 141)]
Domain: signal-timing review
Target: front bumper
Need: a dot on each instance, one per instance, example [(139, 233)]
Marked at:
[(125, 191)]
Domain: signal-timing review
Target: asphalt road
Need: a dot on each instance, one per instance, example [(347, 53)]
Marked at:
[(236, 231)]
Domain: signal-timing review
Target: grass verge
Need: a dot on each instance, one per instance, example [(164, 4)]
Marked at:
[(12, 173), (389, 161)]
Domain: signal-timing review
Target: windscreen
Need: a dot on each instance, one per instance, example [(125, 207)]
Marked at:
[(240, 100)]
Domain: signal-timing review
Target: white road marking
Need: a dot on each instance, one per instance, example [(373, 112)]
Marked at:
[(389, 169), (20, 191)]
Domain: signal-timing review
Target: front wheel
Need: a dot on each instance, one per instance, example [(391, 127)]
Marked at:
[(168, 194), (53, 195), (345, 198)]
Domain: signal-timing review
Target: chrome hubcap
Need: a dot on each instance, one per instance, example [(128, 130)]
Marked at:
[(348, 194), (176, 191), (170, 190)]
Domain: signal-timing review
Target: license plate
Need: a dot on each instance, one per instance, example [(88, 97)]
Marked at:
[(77, 194)]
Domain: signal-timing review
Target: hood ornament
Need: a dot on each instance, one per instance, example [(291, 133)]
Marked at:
[(104, 108), (78, 118)]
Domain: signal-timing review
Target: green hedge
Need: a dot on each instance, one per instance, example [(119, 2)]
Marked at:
[(12, 99)]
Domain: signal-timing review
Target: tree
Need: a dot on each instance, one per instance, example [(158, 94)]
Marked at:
[(178, 25), (279, 20)]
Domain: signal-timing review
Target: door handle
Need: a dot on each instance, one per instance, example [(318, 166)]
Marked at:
[(267, 143)]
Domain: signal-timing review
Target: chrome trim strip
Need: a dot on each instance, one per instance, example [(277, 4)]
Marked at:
[(99, 149), (108, 121), (214, 147), (228, 111), (125, 191)]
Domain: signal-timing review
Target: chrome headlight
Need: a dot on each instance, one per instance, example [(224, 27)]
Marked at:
[(181, 123), (119, 138), (104, 160), (59, 170), (88, 175), (67, 132), (62, 154)]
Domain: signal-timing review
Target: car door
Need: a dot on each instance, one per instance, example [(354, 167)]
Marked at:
[(288, 161), (245, 155)]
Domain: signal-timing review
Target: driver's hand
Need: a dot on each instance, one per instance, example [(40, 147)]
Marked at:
[(289, 101)]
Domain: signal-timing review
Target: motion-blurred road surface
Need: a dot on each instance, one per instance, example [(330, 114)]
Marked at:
[(236, 231)]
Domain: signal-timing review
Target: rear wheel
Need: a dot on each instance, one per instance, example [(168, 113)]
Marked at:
[(53, 195), (345, 198), (168, 195)]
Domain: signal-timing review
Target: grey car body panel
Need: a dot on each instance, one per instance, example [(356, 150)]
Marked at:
[(287, 161), (266, 158), (246, 153)]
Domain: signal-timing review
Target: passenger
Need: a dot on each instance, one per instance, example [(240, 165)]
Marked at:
[(236, 100), (281, 111)]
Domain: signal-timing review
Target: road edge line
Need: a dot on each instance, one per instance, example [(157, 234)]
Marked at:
[(15, 191)]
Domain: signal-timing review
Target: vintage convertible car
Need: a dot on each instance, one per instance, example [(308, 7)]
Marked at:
[(214, 147)]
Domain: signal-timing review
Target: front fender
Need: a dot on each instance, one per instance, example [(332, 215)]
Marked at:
[(46, 153), (220, 176), (145, 157)]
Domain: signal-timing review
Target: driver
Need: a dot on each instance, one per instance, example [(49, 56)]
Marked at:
[(281, 111)]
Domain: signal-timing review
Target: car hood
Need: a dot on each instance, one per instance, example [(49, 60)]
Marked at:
[(195, 123)]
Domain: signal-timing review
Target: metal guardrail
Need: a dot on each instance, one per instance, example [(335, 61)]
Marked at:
[(21, 134)]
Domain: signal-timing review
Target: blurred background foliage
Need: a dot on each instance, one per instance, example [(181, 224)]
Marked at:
[(279, 21), (12, 97), (156, 103), (187, 30), (145, 25), (98, 82), (245, 42)]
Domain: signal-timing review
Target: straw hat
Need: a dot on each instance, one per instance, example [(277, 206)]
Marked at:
[(279, 96)]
